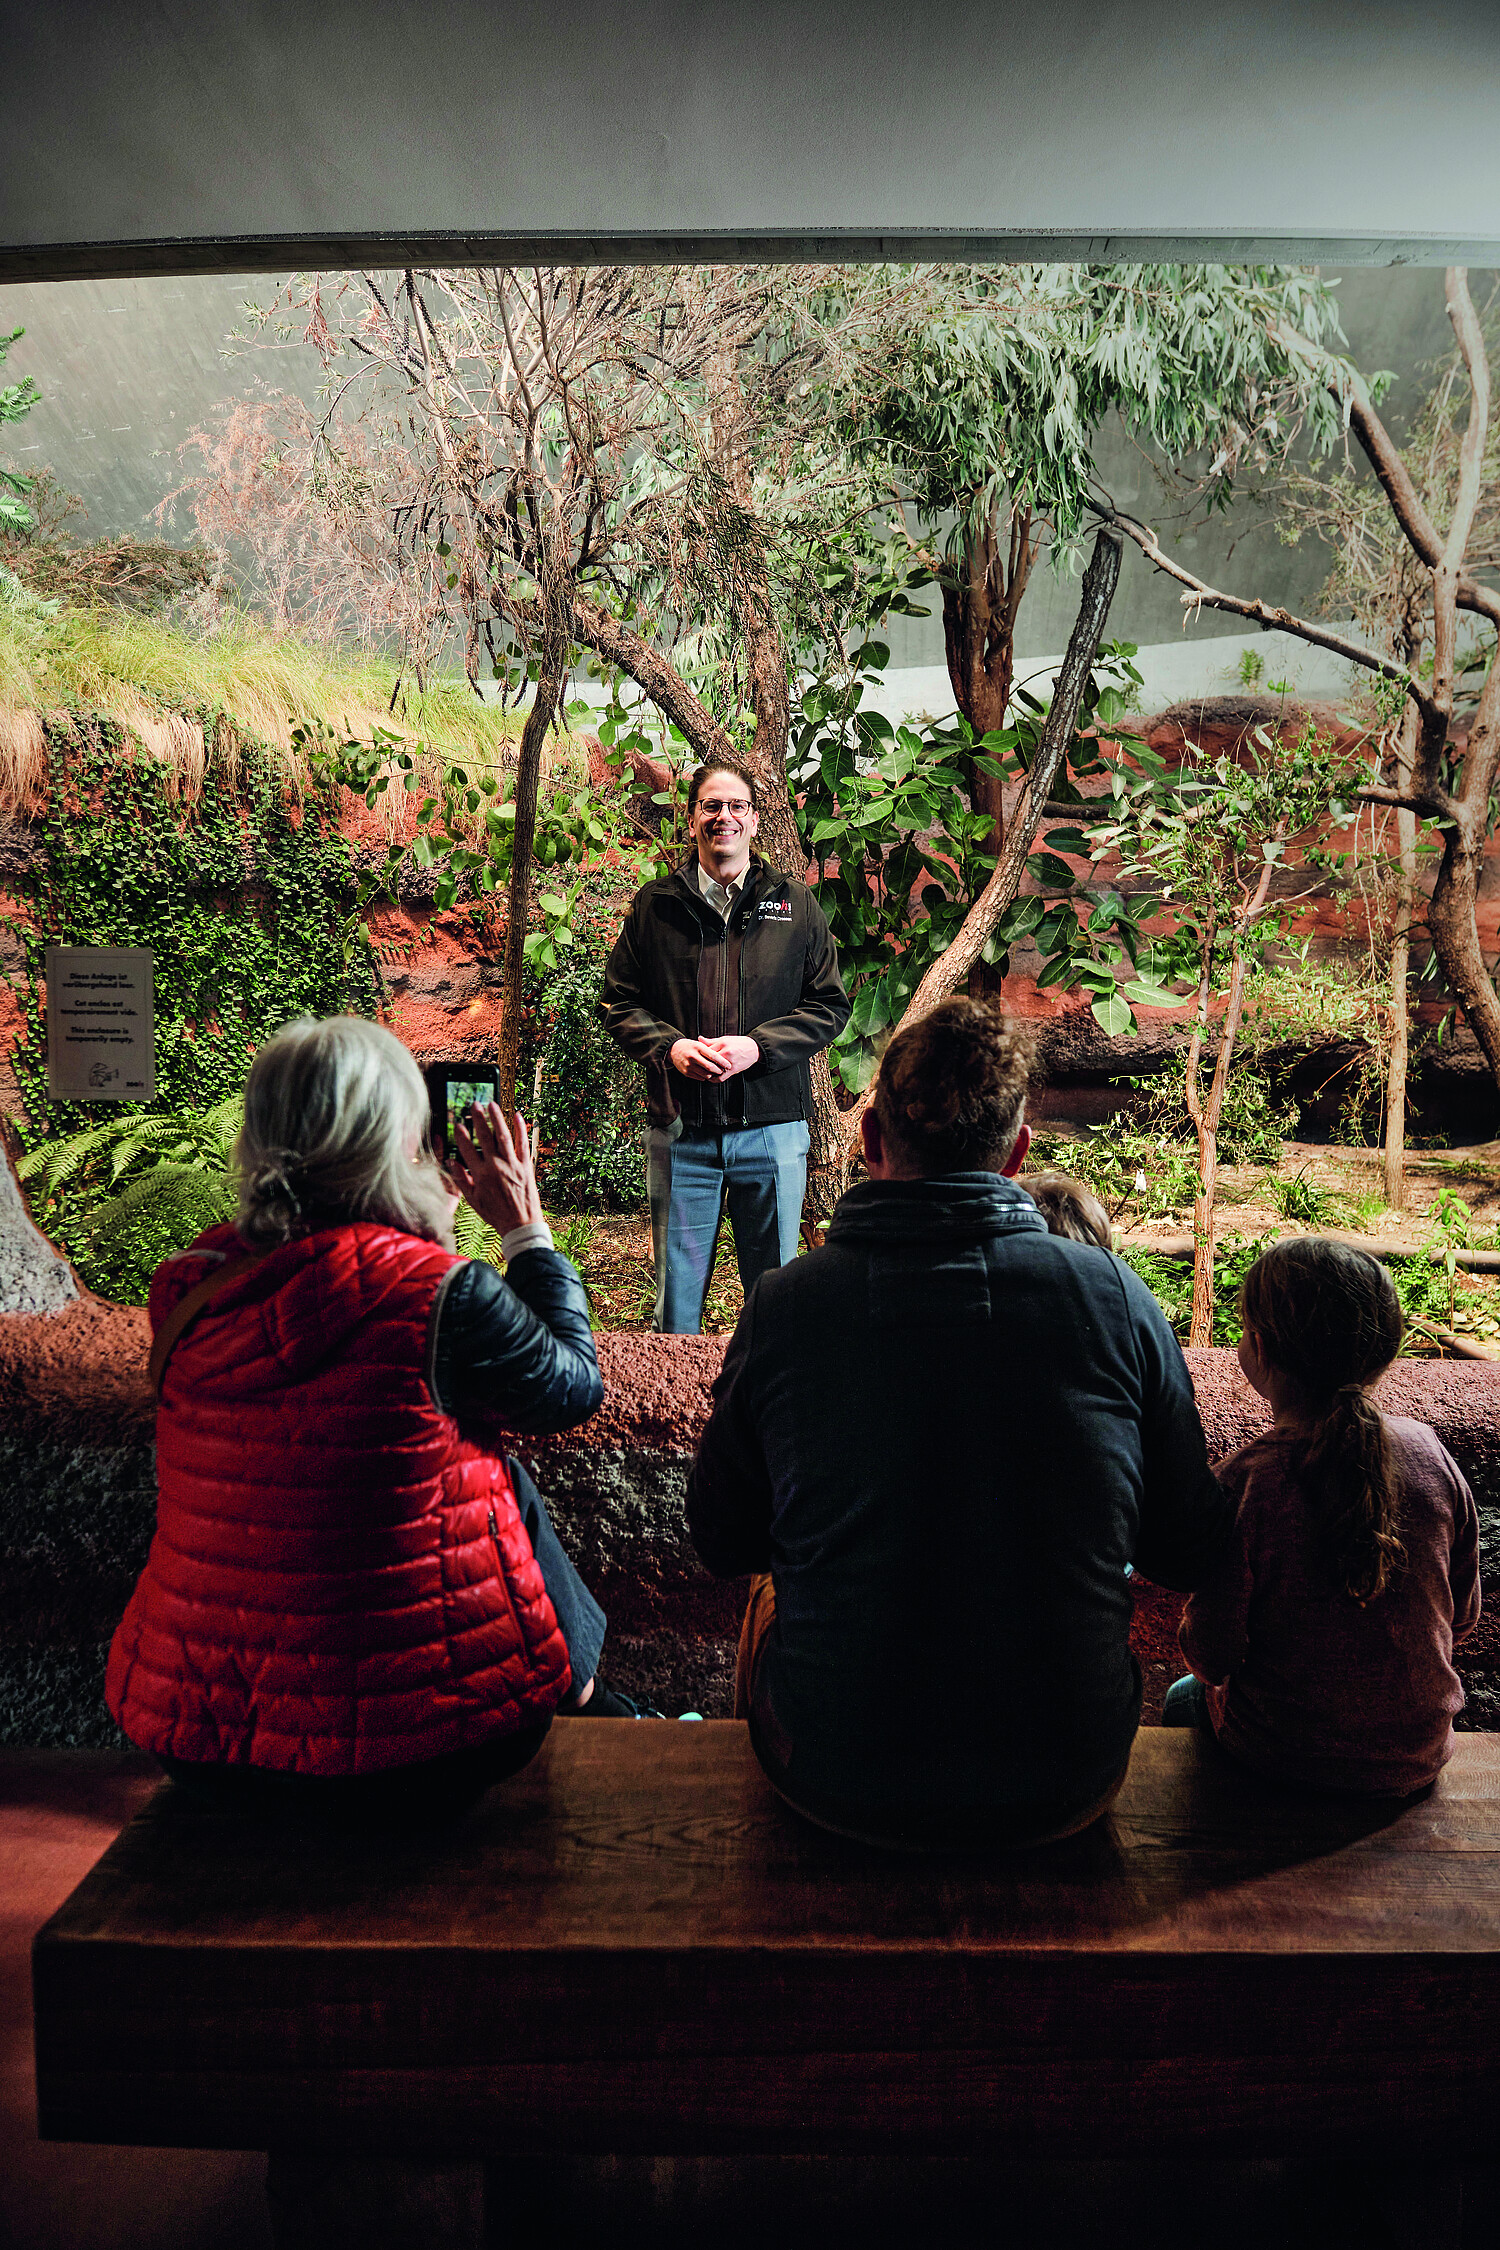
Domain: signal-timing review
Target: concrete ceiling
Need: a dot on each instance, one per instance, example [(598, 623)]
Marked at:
[(240, 135)]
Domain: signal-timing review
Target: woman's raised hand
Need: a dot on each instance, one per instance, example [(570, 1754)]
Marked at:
[(493, 1169)]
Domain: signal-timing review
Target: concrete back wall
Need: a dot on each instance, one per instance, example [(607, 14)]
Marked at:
[(127, 368), (200, 132), (76, 1469)]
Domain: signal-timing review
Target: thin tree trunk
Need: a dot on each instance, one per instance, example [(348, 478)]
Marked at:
[(551, 673), (980, 604), (770, 693), (980, 655), (1206, 1117), (950, 970), (1203, 1199), (1452, 915), (1395, 1083)]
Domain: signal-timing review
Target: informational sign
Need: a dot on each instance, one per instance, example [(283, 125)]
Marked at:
[(100, 1024)]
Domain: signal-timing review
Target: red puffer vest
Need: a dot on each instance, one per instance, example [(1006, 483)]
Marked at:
[(339, 1583)]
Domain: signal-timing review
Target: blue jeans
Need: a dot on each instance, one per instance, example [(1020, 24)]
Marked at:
[(1185, 1703), (759, 1173), (580, 1619)]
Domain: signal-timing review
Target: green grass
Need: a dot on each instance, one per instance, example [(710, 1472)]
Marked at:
[(131, 667)]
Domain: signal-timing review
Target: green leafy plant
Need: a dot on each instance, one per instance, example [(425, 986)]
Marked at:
[(1366, 1206), (1170, 1281), (886, 815), (1450, 1222), (16, 401), (464, 829), (1301, 1199), (588, 1106), (1151, 1170), (122, 1195), (1207, 838)]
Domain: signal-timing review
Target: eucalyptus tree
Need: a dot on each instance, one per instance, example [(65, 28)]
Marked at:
[(638, 462), (16, 400), (1210, 838), (1447, 534), (984, 418), (553, 478), (1381, 581)]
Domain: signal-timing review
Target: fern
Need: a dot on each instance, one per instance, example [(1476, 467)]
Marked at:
[(118, 1244), (474, 1238), (122, 1196)]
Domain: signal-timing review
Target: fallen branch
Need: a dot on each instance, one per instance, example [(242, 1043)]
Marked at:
[(1459, 1346), (1472, 1261)]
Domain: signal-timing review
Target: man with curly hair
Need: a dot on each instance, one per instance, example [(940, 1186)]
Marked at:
[(937, 1443)]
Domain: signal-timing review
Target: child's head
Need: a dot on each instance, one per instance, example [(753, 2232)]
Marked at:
[(1327, 1319), (1070, 1208)]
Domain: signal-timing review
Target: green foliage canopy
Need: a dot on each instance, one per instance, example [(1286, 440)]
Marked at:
[(16, 400), (1002, 391)]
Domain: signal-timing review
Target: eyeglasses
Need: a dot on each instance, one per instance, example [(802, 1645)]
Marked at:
[(713, 805)]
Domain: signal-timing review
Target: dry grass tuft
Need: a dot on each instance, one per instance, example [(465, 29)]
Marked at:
[(188, 698), (23, 759)]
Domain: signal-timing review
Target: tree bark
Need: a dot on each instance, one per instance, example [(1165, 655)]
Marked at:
[(1395, 1084), (951, 968), (550, 676), (779, 840), (1206, 1115), (1208, 1156), (979, 642), (1451, 915), (660, 680)]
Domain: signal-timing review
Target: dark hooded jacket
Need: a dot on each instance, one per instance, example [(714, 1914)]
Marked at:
[(678, 971), (945, 1434)]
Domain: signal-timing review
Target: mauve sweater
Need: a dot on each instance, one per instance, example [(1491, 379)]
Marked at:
[(1304, 1685)]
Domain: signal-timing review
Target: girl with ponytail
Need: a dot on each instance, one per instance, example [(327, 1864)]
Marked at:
[(1322, 1651)]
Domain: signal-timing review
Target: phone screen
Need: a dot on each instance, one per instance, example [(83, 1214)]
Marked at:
[(461, 1094)]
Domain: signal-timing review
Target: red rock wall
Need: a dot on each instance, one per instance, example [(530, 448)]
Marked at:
[(442, 971), (76, 1422)]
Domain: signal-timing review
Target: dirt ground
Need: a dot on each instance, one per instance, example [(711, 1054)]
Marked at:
[(1354, 1179), (1339, 1189), (616, 1265)]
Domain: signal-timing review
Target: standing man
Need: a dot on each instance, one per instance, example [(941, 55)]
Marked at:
[(724, 983)]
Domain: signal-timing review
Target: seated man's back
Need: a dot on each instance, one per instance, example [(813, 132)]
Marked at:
[(945, 1435)]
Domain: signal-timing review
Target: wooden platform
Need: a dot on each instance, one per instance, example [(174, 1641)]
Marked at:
[(634, 1947)]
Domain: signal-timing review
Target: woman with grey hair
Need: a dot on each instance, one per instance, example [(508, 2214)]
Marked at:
[(354, 1598)]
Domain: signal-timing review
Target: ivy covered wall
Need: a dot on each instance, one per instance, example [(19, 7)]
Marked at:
[(241, 886)]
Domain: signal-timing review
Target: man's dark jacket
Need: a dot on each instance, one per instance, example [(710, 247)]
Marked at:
[(678, 971), (945, 1434)]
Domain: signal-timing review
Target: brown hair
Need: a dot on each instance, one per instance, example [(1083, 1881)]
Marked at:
[(1329, 1319), (952, 1088), (1070, 1208), (726, 764)]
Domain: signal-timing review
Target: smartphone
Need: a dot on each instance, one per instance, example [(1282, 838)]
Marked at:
[(452, 1091)]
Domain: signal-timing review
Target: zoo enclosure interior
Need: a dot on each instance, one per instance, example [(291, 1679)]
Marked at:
[(113, 212)]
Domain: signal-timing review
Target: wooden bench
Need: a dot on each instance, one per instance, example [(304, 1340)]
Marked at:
[(635, 1947)]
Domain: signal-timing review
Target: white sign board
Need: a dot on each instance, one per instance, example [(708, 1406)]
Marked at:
[(100, 1024)]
